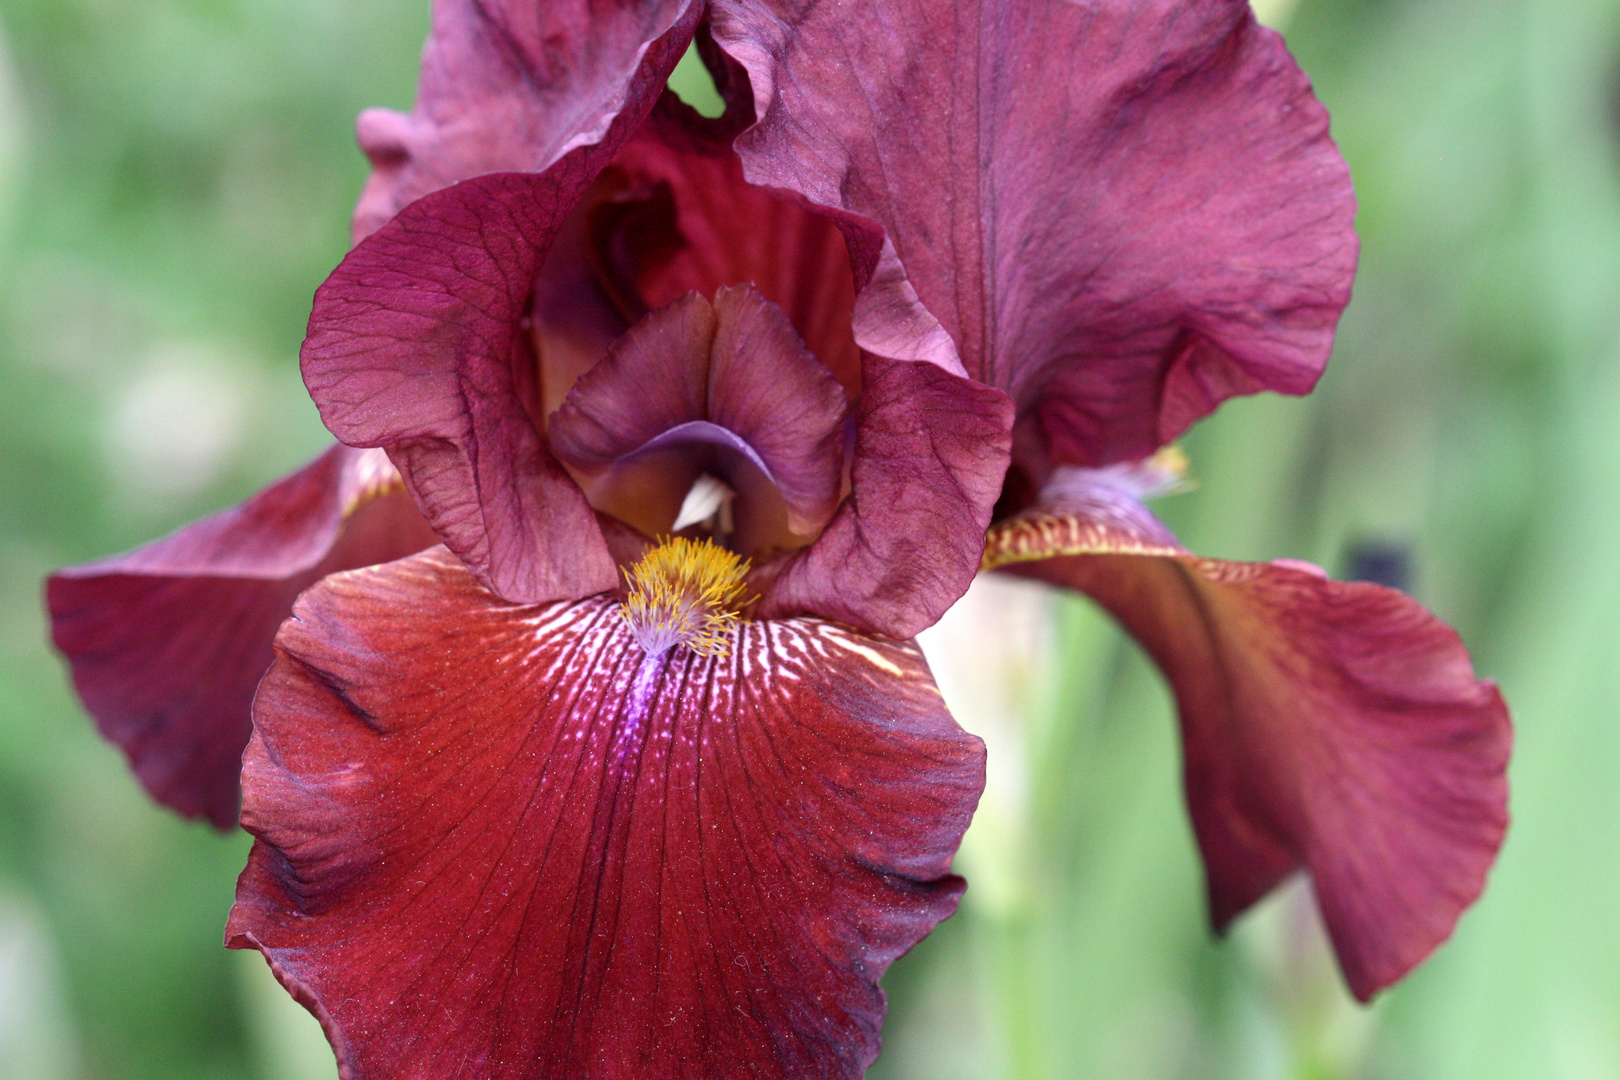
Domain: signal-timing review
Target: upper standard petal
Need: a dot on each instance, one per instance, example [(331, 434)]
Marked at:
[(571, 860), (418, 343), (1120, 212), (168, 641), (509, 86), (1331, 726), (930, 452), (682, 218)]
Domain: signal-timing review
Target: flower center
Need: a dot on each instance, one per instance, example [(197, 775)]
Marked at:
[(684, 592)]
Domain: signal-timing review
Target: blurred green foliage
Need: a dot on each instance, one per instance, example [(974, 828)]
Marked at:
[(175, 179)]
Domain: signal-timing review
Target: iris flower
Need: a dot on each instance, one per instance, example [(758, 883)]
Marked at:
[(676, 431)]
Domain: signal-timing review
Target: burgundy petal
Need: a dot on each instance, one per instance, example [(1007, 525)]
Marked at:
[(566, 860), (897, 556), (672, 214), (930, 452), (1332, 726), (688, 221), (417, 344), (417, 341), (1122, 211), (512, 87), (733, 374), (168, 641)]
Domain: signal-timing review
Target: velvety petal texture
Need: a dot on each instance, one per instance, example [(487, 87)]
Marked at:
[(167, 642), (1333, 726), (731, 376), (509, 86), (1119, 211), (570, 860)]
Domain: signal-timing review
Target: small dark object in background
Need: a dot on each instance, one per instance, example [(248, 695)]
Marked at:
[(1382, 562), (1614, 99)]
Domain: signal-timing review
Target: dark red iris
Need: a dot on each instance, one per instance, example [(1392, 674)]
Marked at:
[(690, 816), (639, 775)]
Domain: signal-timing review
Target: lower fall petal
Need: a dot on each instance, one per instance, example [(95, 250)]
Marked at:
[(1333, 726), (499, 841), (168, 641)]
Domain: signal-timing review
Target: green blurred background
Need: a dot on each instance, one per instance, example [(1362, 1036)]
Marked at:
[(175, 179)]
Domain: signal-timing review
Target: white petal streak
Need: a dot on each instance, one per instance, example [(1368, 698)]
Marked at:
[(504, 841), (624, 701)]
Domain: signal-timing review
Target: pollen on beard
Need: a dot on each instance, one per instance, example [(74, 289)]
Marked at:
[(685, 592)]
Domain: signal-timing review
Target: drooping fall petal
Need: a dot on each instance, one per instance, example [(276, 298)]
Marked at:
[(509, 87), (167, 642), (1333, 726), (1121, 211), (732, 375), (570, 860)]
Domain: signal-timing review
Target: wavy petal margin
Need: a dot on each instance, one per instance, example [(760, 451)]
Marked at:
[(1333, 726), (418, 344), (569, 861), (1119, 211), (167, 642)]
